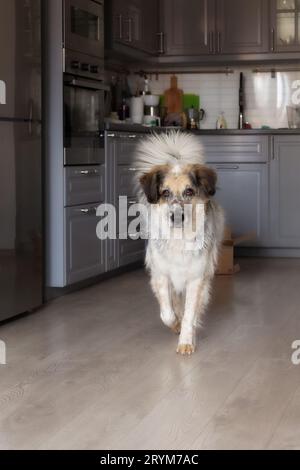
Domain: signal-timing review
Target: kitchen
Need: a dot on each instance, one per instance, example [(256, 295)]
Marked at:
[(82, 83)]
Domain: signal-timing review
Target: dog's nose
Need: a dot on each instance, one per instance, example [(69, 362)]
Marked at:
[(178, 217)]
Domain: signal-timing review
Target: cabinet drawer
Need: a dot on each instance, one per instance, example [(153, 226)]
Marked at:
[(131, 251), (84, 184), (235, 148), (84, 251)]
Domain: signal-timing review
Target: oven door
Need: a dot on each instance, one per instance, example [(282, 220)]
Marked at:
[(83, 121), (84, 26)]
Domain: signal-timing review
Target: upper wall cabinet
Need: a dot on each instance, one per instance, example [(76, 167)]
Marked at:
[(204, 30), (134, 24), (242, 26), (285, 28), (187, 27)]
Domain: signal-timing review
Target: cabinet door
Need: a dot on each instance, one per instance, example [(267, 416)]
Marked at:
[(150, 26), (84, 251), (188, 26), (242, 191), (284, 192), (135, 24), (285, 30), (116, 16), (242, 26), (131, 251)]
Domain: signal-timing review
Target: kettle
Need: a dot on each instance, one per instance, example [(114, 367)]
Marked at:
[(194, 116)]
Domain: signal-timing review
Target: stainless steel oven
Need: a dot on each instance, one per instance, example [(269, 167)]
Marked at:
[(83, 120), (84, 26)]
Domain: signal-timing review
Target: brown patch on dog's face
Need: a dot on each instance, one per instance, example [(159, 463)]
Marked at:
[(152, 182), (204, 179)]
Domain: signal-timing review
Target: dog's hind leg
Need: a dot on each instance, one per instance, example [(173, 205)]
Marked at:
[(162, 289)]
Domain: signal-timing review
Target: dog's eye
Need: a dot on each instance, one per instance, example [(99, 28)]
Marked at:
[(189, 192), (166, 193)]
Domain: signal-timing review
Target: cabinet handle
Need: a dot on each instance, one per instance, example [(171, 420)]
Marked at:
[(219, 42), (227, 167), (87, 172), (132, 136), (210, 40), (111, 135), (272, 148), (120, 24), (131, 203), (273, 39), (129, 21), (88, 210), (161, 48), (132, 169)]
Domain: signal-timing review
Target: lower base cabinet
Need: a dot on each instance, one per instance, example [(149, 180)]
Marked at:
[(285, 192), (85, 253), (131, 251), (242, 191)]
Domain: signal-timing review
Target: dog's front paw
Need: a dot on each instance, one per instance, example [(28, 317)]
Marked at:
[(185, 349)]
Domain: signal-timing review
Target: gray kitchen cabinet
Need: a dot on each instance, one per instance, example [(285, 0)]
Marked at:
[(84, 184), (150, 26), (85, 253), (242, 191), (285, 25), (134, 24), (235, 148), (120, 170), (187, 27), (242, 26), (284, 192)]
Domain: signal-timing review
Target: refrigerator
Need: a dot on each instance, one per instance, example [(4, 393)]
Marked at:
[(21, 224)]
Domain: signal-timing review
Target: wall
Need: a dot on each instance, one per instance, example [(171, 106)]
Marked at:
[(266, 97)]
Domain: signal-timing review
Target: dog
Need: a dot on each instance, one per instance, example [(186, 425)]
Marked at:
[(171, 175)]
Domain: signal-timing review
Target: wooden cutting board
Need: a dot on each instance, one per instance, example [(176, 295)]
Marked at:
[(174, 97)]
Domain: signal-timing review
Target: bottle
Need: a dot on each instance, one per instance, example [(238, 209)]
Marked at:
[(221, 121), (123, 110)]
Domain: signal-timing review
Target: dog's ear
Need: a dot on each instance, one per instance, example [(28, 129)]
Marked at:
[(204, 178), (151, 183)]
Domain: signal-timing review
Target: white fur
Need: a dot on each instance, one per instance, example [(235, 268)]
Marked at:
[(176, 270), (175, 148)]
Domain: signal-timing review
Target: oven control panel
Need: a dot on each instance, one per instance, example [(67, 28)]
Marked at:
[(83, 65)]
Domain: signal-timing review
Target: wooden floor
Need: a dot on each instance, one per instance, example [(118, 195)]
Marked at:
[(97, 369)]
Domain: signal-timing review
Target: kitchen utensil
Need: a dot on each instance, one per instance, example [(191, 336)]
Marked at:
[(173, 97), (241, 102), (293, 116), (194, 116)]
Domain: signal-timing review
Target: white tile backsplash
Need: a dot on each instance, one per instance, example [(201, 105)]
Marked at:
[(266, 98)]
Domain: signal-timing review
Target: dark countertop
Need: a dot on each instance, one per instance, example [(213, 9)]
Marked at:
[(138, 128)]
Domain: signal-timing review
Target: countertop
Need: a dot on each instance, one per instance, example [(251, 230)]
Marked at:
[(138, 128)]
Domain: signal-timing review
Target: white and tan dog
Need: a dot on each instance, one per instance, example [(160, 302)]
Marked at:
[(172, 174)]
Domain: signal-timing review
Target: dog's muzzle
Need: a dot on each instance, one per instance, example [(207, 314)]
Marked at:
[(177, 216)]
